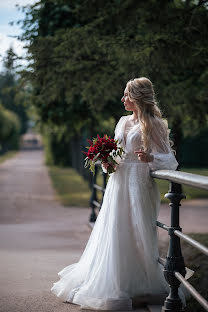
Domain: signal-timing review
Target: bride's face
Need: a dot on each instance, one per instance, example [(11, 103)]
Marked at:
[(129, 106)]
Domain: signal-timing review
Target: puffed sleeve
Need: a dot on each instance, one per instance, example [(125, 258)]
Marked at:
[(161, 150), (117, 131)]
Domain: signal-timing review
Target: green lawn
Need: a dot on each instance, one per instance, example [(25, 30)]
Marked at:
[(73, 190), (7, 155)]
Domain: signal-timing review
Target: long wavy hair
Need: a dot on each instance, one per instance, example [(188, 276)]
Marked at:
[(141, 93)]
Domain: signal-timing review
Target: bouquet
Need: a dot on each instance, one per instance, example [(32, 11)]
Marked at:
[(104, 149)]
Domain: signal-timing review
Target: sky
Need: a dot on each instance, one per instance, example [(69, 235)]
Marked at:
[(8, 13)]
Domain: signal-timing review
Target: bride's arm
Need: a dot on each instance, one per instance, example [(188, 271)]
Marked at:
[(163, 156)]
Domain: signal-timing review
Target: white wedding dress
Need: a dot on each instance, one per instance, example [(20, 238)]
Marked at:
[(120, 261)]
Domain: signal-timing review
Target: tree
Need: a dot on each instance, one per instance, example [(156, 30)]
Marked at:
[(83, 52), (12, 94), (9, 130)]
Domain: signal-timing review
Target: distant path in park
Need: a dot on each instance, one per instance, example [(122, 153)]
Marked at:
[(39, 236)]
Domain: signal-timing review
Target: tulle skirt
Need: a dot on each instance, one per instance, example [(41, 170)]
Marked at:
[(120, 260)]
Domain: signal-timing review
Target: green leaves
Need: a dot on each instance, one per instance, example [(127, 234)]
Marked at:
[(9, 129), (84, 52), (96, 157)]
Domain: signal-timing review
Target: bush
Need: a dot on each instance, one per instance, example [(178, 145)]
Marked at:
[(194, 150), (9, 130), (57, 147)]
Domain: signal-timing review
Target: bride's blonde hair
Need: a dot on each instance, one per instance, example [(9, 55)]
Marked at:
[(141, 93)]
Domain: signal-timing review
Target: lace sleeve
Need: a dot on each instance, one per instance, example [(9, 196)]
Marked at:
[(117, 131), (161, 150)]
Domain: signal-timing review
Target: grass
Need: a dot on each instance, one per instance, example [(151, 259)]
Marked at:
[(7, 156), (197, 262), (73, 190)]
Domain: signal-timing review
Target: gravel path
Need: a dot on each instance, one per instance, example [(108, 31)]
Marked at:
[(39, 236)]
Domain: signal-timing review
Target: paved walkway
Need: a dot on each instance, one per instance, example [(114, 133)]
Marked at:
[(39, 237)]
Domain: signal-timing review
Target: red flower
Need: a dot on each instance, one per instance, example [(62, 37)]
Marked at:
[(101, 149)]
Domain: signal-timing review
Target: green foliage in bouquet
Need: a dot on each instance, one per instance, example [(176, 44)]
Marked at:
[(104, 149)]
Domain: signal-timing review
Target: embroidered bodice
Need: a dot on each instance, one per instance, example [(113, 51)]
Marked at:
[(128, 133)]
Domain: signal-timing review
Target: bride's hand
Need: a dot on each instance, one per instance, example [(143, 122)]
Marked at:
[(106, 165), (143, 156)]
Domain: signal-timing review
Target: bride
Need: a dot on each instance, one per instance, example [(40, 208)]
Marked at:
[(119, 262)]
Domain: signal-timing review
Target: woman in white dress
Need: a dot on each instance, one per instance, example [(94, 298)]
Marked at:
[(120, 260)]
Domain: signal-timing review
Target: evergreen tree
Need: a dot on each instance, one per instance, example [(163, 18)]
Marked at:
[(11, 95), (83, 53)]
